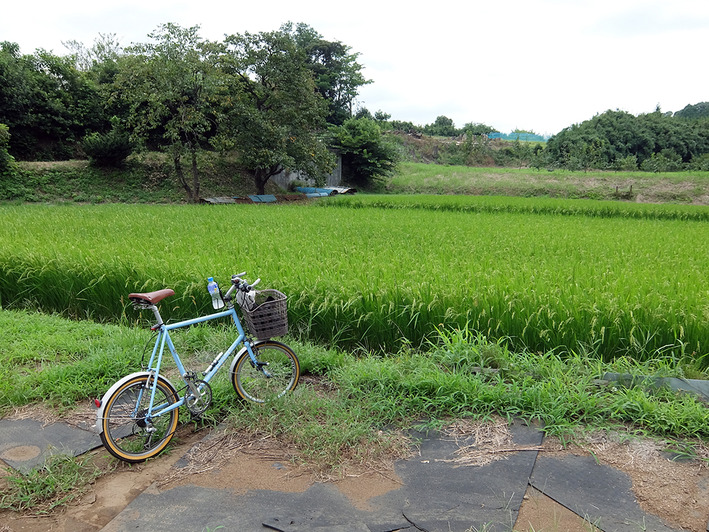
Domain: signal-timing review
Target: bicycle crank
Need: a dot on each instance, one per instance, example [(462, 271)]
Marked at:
[(198, 404)]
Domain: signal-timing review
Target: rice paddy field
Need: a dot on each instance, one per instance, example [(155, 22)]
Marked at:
[(385, 272)]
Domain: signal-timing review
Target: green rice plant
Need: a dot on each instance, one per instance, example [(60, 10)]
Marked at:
[(522, 205), (380, 279)]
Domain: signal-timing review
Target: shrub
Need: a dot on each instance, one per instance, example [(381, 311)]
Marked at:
[(108, 149), (7, 161), (367, 156), (628, 163), (700, 163), (10, 182), (665, 161)]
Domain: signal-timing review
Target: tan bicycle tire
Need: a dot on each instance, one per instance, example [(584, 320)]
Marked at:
[(284, 366), (111, 437)]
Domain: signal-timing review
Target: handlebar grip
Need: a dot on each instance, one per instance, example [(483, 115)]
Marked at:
[(257, 281)]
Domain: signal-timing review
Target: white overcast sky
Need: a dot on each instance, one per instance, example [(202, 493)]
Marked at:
[(539, 65)]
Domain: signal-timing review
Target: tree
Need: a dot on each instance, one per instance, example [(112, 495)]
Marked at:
[(47, 104), (106, 48), (335, 69), (442, 127), (698, 110), (10, 186), (367, 156), (110, 149), (7, 161), (478, 129), (616, 139), (601, 141), (171, 88), (276, 116), (380, 116)]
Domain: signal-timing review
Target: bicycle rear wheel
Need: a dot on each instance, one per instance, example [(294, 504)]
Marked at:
[(126, 433), (276, 373)]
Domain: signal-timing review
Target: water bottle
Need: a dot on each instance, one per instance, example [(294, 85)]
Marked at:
[(213, 289)]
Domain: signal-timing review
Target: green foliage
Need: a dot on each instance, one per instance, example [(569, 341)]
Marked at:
[(700, 163), (108, 150), (612, 139), (607, 283), (627, 163), (334, 68), (64, 104), (477, 129), (367, 155), (276, 114), (61, 480), (10, 182), (665, 161), (171, 88), (48, 359), (699, 110), (148, 177), (380, 116), (442, 127), (465, 375), (7, 162), (405, 127), (341, 414), (326, 429)]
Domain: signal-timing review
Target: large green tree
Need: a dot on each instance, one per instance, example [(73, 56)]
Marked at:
[(367, 155), (46, 102), (276, 116), (172, 88), (442, 127), (697, 110), (335, 68)]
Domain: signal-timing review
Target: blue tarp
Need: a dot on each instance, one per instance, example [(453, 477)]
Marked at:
[(314, 190), (325, 191), (262, 198)]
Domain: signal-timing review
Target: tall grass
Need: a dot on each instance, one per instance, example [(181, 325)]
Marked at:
[(523, 205), (678, 187), (383, 277)]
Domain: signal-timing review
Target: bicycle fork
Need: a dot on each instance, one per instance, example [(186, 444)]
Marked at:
[(255, 363)]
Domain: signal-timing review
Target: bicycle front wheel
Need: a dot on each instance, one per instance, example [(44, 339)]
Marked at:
[(275, 373), (126, 431)]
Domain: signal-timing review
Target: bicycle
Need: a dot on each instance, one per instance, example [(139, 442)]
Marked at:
[(138, 415)]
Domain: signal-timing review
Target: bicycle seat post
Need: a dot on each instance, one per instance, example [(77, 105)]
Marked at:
[(159, 323), (149, 300)]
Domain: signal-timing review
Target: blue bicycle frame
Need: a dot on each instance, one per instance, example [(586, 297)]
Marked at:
[(164, 339)]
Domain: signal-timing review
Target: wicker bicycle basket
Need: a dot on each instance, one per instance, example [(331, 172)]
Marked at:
[(269, 315)]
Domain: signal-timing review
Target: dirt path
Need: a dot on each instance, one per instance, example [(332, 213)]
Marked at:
[(678, 492)]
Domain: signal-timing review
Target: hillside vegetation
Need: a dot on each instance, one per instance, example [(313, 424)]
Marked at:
[(150, 178)]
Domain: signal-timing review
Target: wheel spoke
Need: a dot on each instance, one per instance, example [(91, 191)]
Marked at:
[(275, 373), (127, 433)]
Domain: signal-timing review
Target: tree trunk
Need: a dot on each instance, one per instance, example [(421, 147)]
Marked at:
[(195, 177), (177, 160), (259, 181), (262, 175)]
